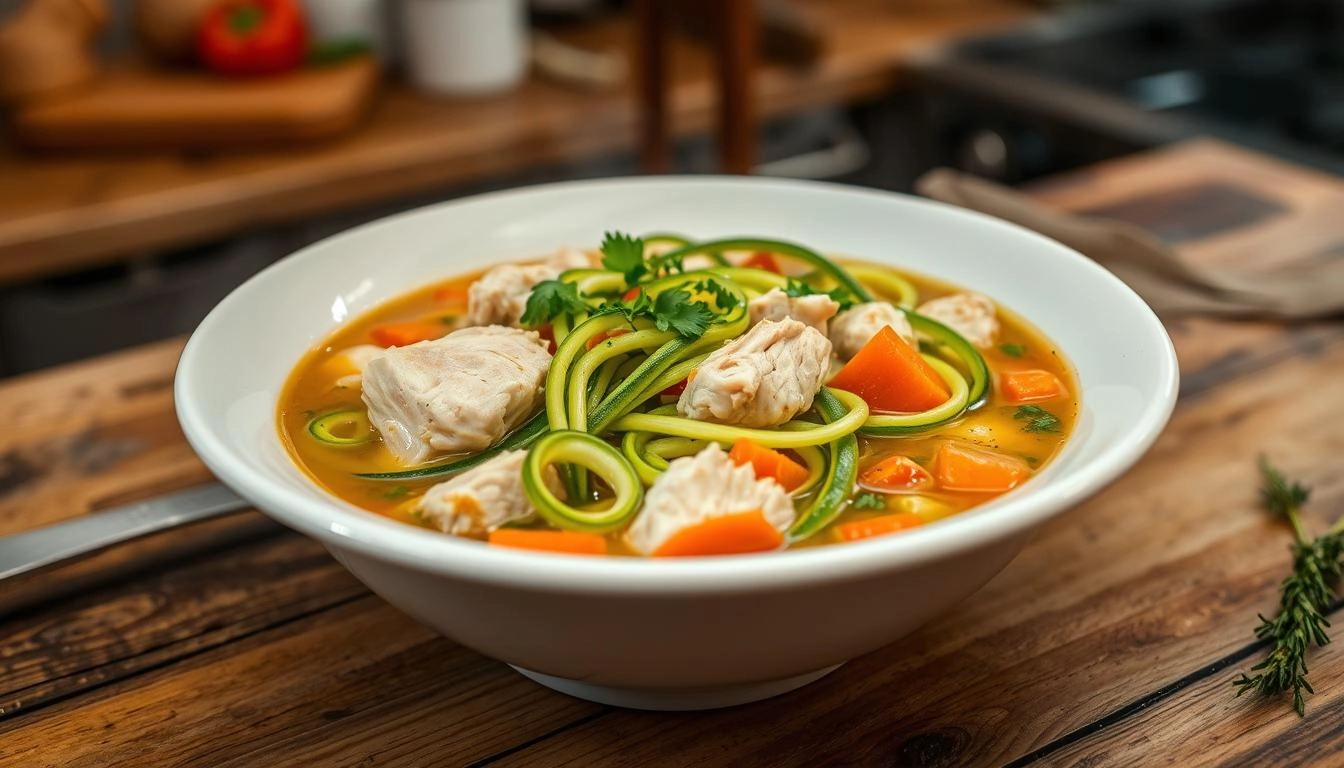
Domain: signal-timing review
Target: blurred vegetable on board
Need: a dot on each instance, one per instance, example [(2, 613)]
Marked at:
[(167, 29), (253, 38), (47, 48)]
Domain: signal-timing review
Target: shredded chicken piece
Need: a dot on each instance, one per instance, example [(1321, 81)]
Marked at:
[(462, 392), (700, 487), (500, 295), (973, 315), (857, 326), (479, 500), (777, 305), (760, 379)]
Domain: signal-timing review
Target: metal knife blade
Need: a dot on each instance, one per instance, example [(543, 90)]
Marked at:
[(30, 550)]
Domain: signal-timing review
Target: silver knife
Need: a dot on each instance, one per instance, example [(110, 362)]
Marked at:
[(30, 550)]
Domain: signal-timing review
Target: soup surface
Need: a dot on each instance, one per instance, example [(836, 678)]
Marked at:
[(850, 400)]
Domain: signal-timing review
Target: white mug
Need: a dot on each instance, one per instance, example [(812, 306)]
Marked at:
[(465, 47)]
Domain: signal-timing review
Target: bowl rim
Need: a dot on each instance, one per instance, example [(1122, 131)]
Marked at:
[(342, 525)]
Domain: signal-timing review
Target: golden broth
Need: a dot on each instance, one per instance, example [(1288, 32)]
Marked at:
[(312, 390)]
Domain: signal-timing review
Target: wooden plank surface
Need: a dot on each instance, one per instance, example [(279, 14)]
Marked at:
[(1111, 640), (59, 213)]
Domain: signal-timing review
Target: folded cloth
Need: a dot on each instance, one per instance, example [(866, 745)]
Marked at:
[(1169, 282)]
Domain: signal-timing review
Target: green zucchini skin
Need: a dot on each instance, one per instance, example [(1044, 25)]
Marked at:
[(320, 428), (518, 439), (837, 485)]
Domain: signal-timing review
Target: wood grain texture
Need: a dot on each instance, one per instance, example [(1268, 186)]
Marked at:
[(138, 108), (1110, 640), (1111, 602), (358, 684), (59, 214)]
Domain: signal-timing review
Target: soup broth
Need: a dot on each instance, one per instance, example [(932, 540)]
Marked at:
[(901, 478)]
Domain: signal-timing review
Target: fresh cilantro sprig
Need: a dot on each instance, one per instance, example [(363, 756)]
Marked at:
[(1037, 419), (795, 288), (724, 299), (625, 254), (1303, 596), (675, 310), (550, 299)]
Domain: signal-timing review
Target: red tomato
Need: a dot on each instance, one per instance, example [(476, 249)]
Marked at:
[(252, 38)]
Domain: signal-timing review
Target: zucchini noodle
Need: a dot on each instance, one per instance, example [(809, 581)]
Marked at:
[(901, 292), (611, 363), (591, 453), (813, 434)]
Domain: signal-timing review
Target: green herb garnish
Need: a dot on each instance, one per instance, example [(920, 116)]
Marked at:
[(1038, 419), (551, 299), (868, 500), (1013, 350), (795, 288), (1303, 596), (625, 254), (674, 311)]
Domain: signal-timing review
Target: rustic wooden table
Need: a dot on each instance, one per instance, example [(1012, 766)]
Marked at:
[(1112, 640)]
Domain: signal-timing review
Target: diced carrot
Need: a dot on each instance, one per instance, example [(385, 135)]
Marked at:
[(959, 468), (568, 542), (1029, 386), (547, 333), (895, 473), (727, 535), (601, 337), (631, 294), (767, 462), (402, 334), (890, 375), (763, 260), (877, 526), (453, 295)]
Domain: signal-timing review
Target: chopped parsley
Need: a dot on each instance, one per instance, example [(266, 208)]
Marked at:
[(1013, 350), (1037, 419), (868, 500), (551, 299)]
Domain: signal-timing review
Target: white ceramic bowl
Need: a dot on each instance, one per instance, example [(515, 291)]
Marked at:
[(680, 633)]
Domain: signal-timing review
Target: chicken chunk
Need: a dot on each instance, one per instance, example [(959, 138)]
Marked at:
[(764, 377), (973, 315), (479, 500), (462, 392), (856, 326), (777, 305), (500, 295), (704, 486)]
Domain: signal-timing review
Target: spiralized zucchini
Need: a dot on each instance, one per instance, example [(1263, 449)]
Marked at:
[(590, 452), (613, 360)]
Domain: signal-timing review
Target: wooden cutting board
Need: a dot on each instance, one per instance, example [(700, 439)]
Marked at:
[(136, 107)]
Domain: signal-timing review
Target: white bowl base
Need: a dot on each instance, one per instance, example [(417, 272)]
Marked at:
[(675, 699)]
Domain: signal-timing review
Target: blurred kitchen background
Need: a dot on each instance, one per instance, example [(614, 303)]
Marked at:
[(156, 153)]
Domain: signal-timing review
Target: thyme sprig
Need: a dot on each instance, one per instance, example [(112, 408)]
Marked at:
[(1304, 595)]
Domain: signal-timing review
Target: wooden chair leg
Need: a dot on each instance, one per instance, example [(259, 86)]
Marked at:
[(736, 36), (651, 20)]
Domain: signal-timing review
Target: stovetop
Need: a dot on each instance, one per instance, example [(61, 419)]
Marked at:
[(1268, 73)]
